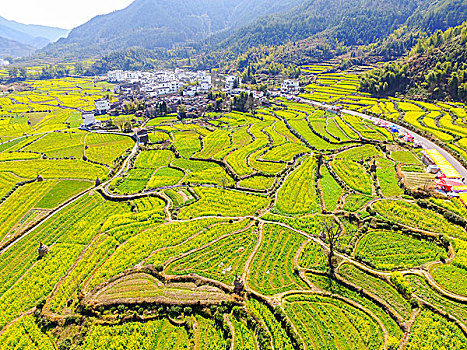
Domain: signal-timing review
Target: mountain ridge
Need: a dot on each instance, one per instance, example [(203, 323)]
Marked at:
[(176, 23), (23, 39)]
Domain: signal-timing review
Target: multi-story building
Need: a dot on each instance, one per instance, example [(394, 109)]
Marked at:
[(290, 85), (116, 76), (102, 106), (231, 81)]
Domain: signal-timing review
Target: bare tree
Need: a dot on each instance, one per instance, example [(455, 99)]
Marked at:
[(330, 234)]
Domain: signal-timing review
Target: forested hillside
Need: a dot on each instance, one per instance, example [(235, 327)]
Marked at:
[(355, 22), (152, 24), (222, 31), (436, 68), (14, 48)]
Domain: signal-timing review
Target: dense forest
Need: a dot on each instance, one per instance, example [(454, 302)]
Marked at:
[(435, 68), (393, 26)]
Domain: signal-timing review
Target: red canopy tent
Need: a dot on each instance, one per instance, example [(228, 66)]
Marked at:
[(447, 184)]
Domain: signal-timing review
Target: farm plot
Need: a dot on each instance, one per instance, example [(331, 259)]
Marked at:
[(285, 152), (19, 268), (313, 257), (360, 153), (353, 174), (59, 145), (165, 177), (19, 204), (412, 215), (324, 322), (106, 148), (221, 260), (405, 157), (201, 239), (238, 159), (135, 181), (45, 273), (280, 340), (154, 159), (69, 287), (158, 334), (141, 287), (186, 143), (298, 193), (198, 172), (54, 169), (6, 156), (325, 283), (454, 204), (7, 182), (377, 287), (331, 190), (272, 267), (301, 126), (140, 246), (451, 277), (265, 167), (257, 182), (25, 334), (388, 250), (423, 290), (214, 143), (61, 192), (387, 178), (245, 339), (209, 334), (221, 202), (432, 331)]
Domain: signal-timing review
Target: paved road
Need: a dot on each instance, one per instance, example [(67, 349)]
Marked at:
[(427, 144)]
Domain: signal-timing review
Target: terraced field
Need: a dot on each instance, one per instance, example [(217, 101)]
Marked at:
[(290, 228)]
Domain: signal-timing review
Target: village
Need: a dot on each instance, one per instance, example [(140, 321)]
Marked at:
[(158, 93)]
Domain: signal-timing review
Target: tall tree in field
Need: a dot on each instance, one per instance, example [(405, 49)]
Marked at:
[(330, 234)]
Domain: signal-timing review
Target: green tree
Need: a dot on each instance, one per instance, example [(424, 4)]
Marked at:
[(181, 112)]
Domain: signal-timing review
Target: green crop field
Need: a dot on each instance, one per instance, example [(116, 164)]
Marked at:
[(287, 227)]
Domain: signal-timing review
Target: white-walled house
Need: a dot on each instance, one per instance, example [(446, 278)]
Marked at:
[(190, 91), (102, 106), (290, 85), (230, 81), (88, 118), (116, 76), (205, 86), (131, 75)]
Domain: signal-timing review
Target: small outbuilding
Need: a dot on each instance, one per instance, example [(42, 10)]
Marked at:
[(239, 286), (42, 250), (141, 136)]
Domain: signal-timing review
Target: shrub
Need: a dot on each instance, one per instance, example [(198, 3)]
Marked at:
[(401, 283)]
